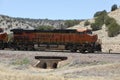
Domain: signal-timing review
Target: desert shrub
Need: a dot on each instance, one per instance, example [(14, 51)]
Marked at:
[(45, 28), (114, 7), (99, 20), (95, 26), (113, 29), (112, 26), (109, 20), (70, 23), (21, 62), (86, 23)]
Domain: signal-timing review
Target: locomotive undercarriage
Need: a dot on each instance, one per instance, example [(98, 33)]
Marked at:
[(21, 46), (3, 45), (82, 48)]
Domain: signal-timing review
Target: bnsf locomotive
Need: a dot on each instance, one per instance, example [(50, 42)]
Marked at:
[(73, 40)]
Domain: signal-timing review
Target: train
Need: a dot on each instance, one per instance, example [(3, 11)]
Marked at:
[(82, 40)]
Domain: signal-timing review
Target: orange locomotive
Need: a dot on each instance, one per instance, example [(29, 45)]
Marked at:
[(3, 40), (73, 40)]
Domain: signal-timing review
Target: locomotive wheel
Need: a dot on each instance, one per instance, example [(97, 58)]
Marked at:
[(82, 51), (68, 47), (30, 48), (1, 45), (73, 50), (91, 51), (1, 48)]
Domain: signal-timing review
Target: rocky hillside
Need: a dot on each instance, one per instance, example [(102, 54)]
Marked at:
[(8, 23), (108, 43)]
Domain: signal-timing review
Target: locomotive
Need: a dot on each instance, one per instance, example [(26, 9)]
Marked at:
[(82, 40), (3, 39)]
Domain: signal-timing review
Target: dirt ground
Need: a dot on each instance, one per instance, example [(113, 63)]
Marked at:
[(92, 66)]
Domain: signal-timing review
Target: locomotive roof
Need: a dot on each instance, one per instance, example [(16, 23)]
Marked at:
[(54, 31)]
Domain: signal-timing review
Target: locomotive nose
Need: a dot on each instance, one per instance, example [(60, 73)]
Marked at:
[(95, 37)]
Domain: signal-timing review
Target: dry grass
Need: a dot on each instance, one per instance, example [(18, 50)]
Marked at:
[(77, 67), (8, 74)]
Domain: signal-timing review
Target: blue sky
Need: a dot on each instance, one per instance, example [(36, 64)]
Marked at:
[(55, 9)]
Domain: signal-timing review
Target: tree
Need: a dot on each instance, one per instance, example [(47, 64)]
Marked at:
[(114, 7), (99, 13), (100, 17)]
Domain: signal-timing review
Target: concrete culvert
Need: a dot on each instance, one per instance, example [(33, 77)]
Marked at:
[(49, 62), (55, 65), (44, 65)]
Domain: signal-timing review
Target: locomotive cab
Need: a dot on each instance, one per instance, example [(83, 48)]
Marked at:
[(89, 41)]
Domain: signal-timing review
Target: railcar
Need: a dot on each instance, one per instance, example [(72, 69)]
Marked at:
[(72, 39)]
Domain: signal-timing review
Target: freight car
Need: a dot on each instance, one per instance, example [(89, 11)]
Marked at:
[(73, 40)]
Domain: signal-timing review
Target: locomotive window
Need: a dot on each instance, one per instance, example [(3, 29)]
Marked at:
[(17, 32), (89, 32), (81, 32)]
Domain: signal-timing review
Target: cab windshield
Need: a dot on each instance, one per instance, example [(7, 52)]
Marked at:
[(89, 32)]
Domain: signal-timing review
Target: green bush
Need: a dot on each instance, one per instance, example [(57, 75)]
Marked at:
[(21, 62), (109, 20), (45, 28), (86, 23), (70, 23), (99, 20), (113, 29), (95, 26), (99, 13)]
